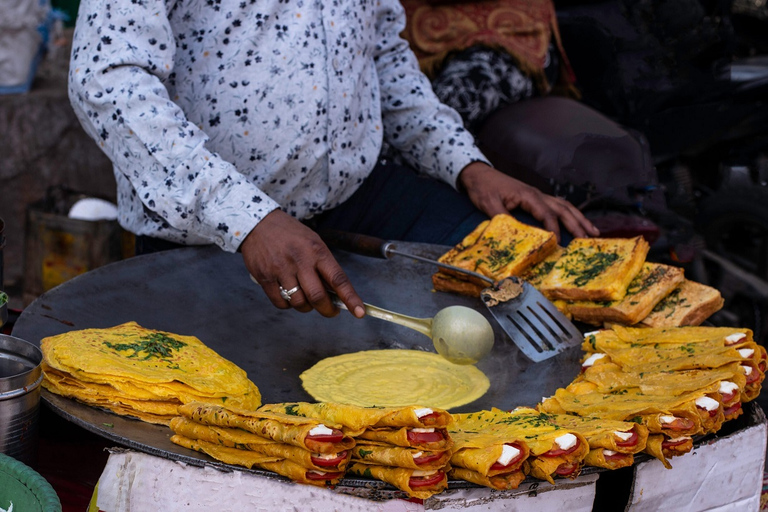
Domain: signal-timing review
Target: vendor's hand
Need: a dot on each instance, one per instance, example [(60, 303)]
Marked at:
[(281, 251), (493, 192)]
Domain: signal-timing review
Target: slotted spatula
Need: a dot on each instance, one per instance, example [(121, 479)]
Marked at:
[(531, 321)]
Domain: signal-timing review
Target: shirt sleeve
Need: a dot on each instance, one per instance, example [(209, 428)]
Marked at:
[(429, 134), (122, 54)]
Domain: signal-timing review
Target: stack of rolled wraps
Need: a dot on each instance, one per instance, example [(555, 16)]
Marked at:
[(497, 448), (612, 444), (407, 447), (143, 373), (678, 382), (306, 450)]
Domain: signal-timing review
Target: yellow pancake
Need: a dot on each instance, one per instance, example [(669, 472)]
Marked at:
[(394, 378)]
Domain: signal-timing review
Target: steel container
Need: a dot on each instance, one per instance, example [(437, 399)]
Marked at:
[(20, 377)]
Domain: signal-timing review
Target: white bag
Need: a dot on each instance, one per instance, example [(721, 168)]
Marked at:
[(23, 40)]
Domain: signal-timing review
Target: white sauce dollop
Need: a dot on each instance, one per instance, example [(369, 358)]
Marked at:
[(320, 430), (508, 453), (707, 403), (734, 338), (566, 441), (424, 411), (727, 387), (591, 359)]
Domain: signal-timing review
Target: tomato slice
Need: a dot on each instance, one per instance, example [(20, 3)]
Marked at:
[(430, 419), (328, 463), (566, 469), (614, 457), (427, 458), (498, 466), (556, 452), (753, 376), (426, 481), (679, 424), (425, 437), (711, 413), (336, 437), (732, 409), (671, 443), (314, 475), (632, 441)]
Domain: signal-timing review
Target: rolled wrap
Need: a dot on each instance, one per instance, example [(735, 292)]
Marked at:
[(283, 428), (243, 440)]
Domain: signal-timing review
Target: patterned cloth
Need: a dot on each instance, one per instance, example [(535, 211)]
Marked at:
[(479, 80), (524, 29), (484, 54), (215, 113)]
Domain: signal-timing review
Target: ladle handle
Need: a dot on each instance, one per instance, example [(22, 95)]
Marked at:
[(422, 325)]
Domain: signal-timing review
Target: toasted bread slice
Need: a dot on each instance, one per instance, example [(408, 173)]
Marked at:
[(596, 269), (536, 274), (443, 282), (654, 282), (689, 304), (504, 247)]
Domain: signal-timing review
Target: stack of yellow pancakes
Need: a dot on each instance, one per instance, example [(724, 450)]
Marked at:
[(143, 373)]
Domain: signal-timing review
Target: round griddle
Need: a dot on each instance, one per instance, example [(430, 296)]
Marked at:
[(207, 293)]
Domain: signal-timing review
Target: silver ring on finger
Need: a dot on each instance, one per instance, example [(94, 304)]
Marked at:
[(286, 294)]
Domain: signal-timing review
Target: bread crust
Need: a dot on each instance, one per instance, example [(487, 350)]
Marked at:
[(500, 248), (596, 269), (689, 304), (443, 282), (654, 282)]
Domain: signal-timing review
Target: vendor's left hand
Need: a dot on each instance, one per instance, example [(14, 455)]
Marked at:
[(493, 192)]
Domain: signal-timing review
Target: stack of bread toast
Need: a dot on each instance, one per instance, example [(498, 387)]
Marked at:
[(599, 281)]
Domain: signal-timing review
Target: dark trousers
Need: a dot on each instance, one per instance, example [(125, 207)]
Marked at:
[(393, 203)]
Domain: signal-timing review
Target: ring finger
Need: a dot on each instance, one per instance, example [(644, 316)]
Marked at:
[(294, 297)]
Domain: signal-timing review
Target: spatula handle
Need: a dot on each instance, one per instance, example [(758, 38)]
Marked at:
[(364, 245)]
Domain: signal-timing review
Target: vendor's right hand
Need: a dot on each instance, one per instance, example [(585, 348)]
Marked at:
[(281, 251)]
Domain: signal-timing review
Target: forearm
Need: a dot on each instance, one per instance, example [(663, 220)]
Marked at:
[(429, 134), (117, 89)]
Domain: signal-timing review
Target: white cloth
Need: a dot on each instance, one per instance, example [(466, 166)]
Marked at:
[(21, 42), (215, 113)]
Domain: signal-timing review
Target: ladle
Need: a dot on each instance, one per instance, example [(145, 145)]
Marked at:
[(459, 334)]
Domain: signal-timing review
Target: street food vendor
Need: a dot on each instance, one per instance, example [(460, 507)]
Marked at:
[(249, 124)]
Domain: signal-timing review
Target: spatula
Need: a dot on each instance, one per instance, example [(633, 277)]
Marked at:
[(531, 321)]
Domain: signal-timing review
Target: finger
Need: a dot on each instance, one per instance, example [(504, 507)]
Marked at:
[(272, 291), (338, 281), (297, 300), (493, 205), (316, 295), (576, 222), (541, 209)]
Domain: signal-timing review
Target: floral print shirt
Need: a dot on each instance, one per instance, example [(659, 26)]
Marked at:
[(217, 112)]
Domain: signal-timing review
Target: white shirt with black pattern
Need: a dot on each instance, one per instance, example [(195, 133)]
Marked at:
[(217, 112)]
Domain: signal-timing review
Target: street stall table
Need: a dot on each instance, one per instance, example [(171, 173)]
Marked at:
[(207, 293)]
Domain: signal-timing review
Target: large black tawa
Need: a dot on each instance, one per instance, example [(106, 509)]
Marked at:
[(207, 293)]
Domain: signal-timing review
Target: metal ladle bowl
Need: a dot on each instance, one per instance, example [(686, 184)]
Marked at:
[(460, 334)]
